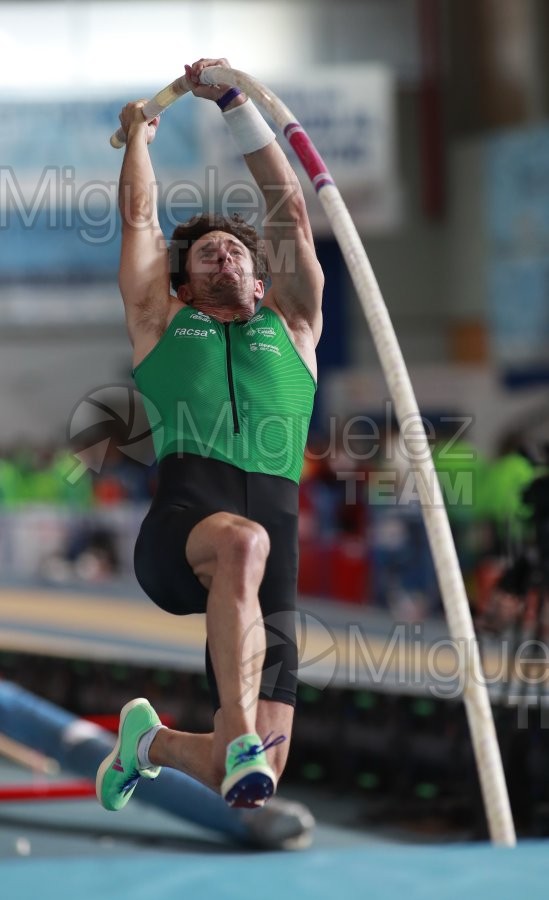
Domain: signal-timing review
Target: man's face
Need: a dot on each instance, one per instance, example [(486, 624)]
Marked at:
[(219, 264)]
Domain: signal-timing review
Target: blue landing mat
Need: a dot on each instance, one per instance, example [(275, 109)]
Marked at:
[(475, 872)]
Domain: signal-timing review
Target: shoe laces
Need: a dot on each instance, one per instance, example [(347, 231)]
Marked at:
[(256, 749), (131, 781)]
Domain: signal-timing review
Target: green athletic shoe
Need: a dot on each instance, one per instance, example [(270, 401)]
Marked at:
[(119, 773), (249, 781)]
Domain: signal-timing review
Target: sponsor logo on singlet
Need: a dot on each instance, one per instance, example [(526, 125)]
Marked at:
[(202, 317), (269, 348), (264, 332), (193, 332)]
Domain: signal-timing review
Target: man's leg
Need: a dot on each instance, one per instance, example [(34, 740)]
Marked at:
[(194, 753), (278, 718), (190, 753), (228, 554)]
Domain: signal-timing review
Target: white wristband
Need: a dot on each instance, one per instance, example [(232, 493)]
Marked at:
[(248, 127)]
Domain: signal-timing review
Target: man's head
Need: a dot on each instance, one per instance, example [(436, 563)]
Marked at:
[(216, 256)]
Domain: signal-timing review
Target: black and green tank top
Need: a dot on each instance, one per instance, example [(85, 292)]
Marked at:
[(237, 392)]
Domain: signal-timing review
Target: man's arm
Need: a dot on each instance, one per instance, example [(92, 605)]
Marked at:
[(144, 270), (297, 279)]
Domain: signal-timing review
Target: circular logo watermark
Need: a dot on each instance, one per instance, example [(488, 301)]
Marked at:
[(112, 415), (316, 646)]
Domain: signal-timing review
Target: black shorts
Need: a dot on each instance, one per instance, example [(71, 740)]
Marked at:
[(191, 488)]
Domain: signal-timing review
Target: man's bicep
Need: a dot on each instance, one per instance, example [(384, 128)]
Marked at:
[(144, 270), (297, 277)]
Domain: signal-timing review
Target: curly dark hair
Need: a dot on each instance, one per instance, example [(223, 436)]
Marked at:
[(186, 234)]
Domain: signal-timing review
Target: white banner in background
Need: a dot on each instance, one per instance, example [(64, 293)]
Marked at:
[(348, 112)]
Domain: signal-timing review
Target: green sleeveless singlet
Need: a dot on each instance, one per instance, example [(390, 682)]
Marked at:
[(238, 392)]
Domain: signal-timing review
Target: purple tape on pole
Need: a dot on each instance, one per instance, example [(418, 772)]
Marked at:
[(311, 159)]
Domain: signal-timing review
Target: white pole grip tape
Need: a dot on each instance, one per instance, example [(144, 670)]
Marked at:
[(155, 106)]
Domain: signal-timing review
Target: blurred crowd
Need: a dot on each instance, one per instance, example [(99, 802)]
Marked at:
[(363, 536), (362, 533)]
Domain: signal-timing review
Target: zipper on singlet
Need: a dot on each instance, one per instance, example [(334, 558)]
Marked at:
[(236, 424)]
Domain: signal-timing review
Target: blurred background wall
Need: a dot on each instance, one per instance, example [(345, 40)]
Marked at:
[(433, 115), (469, 78)]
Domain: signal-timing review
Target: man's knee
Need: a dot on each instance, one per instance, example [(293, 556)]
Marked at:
[(244, 543), (224, 542)]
